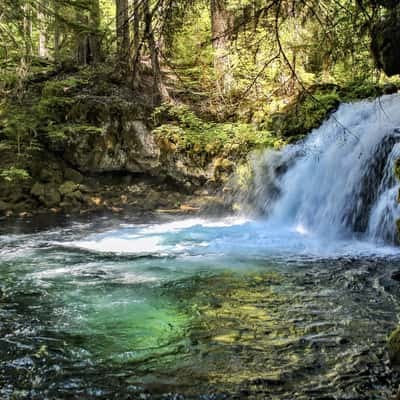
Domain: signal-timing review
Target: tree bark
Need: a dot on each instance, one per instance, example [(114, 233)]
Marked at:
[(88, 48), (94, 37), (82, 40), (137, 43), (27, 29), (57, 32), (160, 92), (43, 50), (122, 27), (221, 25)]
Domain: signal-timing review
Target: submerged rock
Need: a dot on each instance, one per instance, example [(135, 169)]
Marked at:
[(396, 276)]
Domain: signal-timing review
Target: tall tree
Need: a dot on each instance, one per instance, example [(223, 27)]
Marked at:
[(27, 31), (137, 42), (221, 27), (57, 31), (122, 21), (94, 37), (88, 47), (160, 92), (43, 49)]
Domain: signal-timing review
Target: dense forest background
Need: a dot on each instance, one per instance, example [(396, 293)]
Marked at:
[(211, 78), (244, 49)]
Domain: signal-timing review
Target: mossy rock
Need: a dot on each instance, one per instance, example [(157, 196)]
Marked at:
[(73, 175), (306, 113), (46, 194), (67, 188), (394, 346), (75, 196), (51, 175), (5, 206)]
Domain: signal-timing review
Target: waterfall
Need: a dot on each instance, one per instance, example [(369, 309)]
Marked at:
[(340, 181)]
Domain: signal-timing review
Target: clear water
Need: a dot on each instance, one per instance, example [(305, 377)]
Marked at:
[(194, 308), (297, 305)]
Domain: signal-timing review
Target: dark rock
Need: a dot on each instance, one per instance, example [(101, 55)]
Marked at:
[(385, 42), (4, 206), (73, 175), (49, 174), (46, 194), (396, 276), (389, 88)]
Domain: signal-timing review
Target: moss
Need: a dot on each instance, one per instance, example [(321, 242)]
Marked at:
[(178, 129), (305, 114), (394, 346), (63, 87), (310, 109), (68, 187)]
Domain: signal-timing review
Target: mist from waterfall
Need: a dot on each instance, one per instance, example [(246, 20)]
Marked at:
[(340, 181)]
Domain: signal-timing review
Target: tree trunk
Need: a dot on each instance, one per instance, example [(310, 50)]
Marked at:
[(221, 25), (88, 49), (43, 50), (82, 40), (137, 43), (27, 29), (160, 92), (122, 33), (94, 37), (57, 32)]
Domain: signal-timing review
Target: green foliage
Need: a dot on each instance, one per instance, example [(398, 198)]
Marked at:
[(183, 131), (360, 89), (18, 127), (63, 87), (14, 174), (315, 109), (59, 133)]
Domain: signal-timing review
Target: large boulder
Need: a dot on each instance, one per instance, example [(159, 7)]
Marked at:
[(112, 138)]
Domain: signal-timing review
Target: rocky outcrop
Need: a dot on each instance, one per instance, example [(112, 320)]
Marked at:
[(98, 150), (386, 38), (112, 135)]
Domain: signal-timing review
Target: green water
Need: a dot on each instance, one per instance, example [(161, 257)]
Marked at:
[(108, 310)]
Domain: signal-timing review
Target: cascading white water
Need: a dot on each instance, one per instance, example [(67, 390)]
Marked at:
[(341, 178), (387, 209)]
